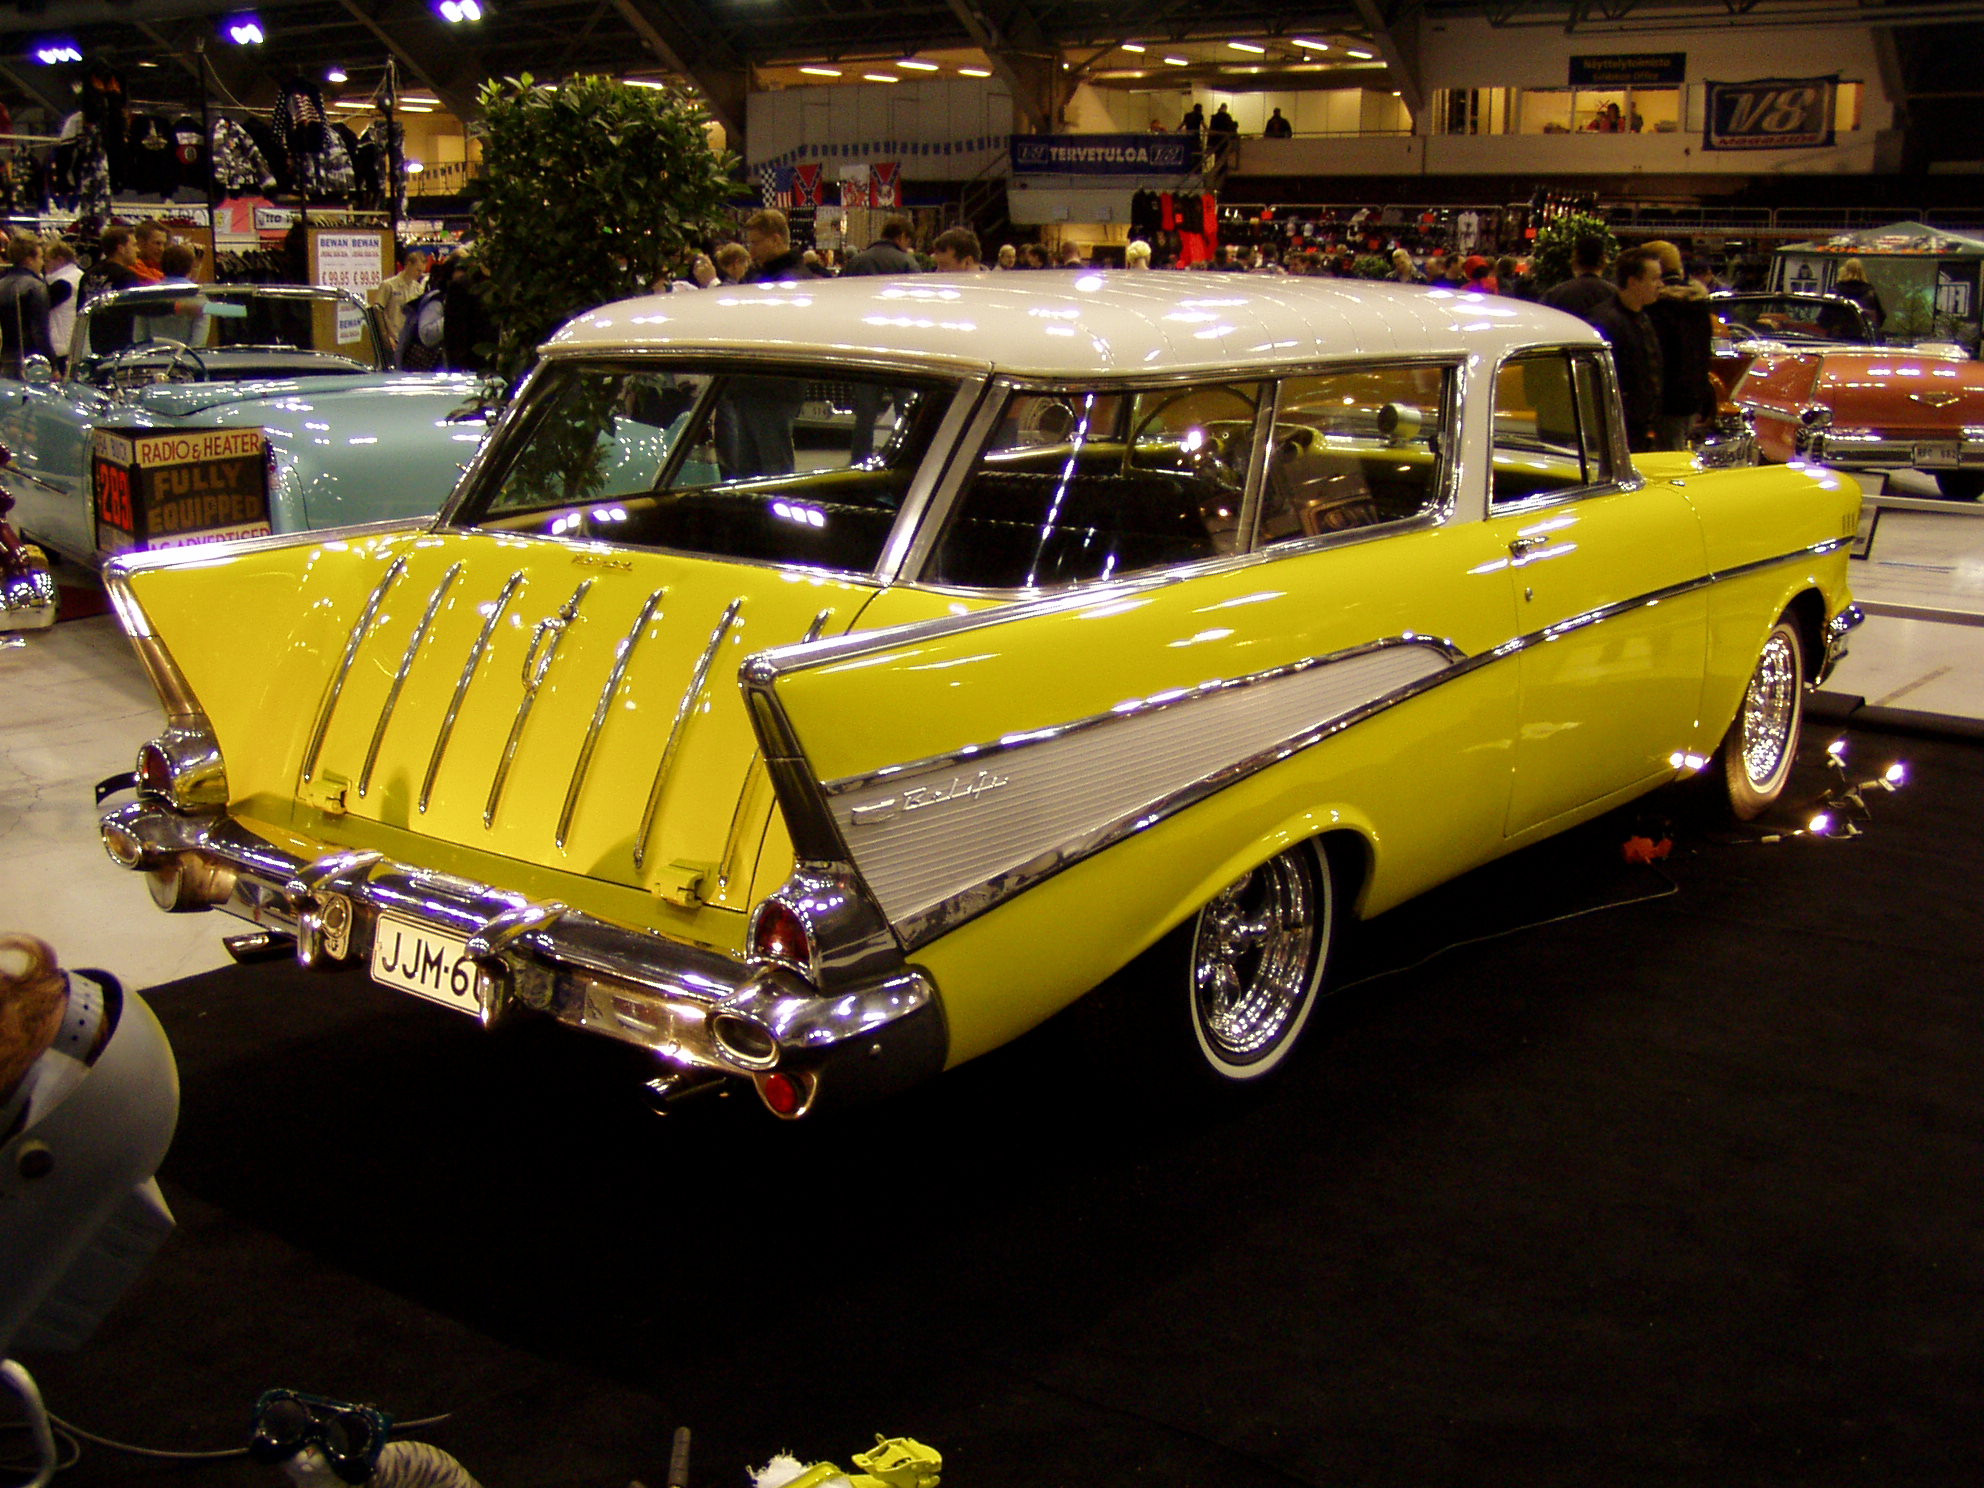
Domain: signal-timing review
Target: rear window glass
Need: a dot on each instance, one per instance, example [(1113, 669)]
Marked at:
[(1078, 486), (807, 467)]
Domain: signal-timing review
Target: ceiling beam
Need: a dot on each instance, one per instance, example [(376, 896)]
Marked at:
[(1394, 28), (455, 83), (695, 51), (1023, 56), (43, 86)]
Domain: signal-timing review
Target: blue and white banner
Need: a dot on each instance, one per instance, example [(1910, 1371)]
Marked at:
[(1771, 114), (1105, 154)]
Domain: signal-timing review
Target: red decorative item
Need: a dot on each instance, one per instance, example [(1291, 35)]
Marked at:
[(1646, 850)]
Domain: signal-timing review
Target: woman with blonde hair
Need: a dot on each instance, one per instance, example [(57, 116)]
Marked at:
[(1137, 255), (1852, 285)]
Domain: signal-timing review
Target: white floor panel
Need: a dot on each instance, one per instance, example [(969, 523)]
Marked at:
[(76, 707)]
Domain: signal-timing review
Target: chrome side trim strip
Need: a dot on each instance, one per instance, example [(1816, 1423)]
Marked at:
[(151, 558), (544, 643), (681, 724), (351, 645), (399, 677), (919, 928), (475, 655), (622, 654), (976, 754)]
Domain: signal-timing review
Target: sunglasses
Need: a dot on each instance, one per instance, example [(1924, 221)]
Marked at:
[(350, 1436)]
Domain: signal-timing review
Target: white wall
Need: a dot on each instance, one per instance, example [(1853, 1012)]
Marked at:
[(942, 128), (1470, 53)]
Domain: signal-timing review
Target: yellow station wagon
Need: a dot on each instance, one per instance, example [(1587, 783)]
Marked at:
[(822, 684)]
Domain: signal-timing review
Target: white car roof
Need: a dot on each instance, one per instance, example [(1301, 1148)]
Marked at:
[(1058, 323)]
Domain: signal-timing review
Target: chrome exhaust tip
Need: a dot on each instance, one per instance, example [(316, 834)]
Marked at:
[(746, 1042), (260, 945)]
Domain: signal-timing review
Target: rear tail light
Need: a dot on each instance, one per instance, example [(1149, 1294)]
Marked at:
[(154, 772), (779, 933), (785, 1095)]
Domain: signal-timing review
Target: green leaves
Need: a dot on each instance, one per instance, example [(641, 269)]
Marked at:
[(1550, 263), (591, 190)]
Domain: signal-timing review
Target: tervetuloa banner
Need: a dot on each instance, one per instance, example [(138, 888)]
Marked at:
[(1104, 154), (1771, 114)]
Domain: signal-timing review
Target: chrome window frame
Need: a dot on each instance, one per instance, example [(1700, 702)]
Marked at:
[(967, 387), (1626, 476)]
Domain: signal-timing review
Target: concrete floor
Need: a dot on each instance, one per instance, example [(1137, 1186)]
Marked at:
[(76, 708)]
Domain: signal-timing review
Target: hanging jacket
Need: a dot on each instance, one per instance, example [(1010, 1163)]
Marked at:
[(238, 165)]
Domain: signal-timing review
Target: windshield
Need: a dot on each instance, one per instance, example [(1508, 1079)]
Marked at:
[(208, 331), (801, 465), (1790, 318)]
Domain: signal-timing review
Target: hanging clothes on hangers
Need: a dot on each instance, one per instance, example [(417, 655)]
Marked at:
[(238, 165)]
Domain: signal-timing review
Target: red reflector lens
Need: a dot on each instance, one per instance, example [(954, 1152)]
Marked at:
[(782, 1093), (778, 934)]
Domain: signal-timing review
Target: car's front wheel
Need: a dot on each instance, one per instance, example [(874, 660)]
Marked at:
[(1257, 958), (1755, 759)]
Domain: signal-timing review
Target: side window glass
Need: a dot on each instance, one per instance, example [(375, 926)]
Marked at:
[(1592, 422), (1353, 449), (1081, 486), (1538, 443)]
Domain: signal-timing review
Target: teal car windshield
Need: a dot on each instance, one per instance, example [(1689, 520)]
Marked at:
[(205, 332), (804, 465)]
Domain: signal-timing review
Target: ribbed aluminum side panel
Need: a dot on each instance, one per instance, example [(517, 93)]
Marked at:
[(921, 839)]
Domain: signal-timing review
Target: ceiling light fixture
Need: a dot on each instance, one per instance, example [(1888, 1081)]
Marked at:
[(57, 51), (336, 75), (244, 30), (1131, 46), (1247, 46), (879, 77), (975, 71), (1360, 56), (1176, 62), (416, 108), (821, 71), (647, 83), (916, 64), (456, 11), (1314, 46)]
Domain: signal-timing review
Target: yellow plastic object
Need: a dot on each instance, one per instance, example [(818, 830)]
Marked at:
[(895, 1462)]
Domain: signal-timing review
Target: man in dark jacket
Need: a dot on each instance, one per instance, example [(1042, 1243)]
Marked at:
[(1685, 327), (23, 307), (1622, 320), (888, 254), (1587, 288), (754, 418)]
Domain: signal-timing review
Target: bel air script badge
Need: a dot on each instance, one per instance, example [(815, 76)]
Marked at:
[(917, 797)]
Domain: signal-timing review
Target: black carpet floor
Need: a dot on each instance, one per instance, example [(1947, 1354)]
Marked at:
[(1688, 1189)]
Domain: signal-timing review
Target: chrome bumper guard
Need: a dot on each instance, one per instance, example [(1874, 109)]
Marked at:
[(694, 1007), (28, 597), (1838, 629)]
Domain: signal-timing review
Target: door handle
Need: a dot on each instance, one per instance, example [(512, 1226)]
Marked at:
[(1520, 545)]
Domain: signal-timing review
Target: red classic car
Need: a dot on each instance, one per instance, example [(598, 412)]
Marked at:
[(1749, 325), (1872, 409)]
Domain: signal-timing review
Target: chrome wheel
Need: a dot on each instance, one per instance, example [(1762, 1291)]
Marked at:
[(1259, 950), (1757, 755)]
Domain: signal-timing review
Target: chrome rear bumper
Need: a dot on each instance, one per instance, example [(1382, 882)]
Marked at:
[(692, 1006), (1838, 629)]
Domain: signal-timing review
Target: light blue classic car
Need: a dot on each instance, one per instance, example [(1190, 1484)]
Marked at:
[(201, 413)]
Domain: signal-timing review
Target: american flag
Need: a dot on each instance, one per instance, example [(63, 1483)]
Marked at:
[(775, 185)]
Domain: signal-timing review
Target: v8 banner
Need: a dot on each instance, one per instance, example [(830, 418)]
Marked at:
[(1771, 114)]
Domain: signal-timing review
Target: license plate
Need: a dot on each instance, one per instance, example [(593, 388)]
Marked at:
[(1938, 453), (413, 958)]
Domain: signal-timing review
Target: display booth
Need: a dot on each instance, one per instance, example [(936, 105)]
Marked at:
[(1927, 278)]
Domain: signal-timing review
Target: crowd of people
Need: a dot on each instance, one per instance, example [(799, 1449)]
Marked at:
[(1648, 303)]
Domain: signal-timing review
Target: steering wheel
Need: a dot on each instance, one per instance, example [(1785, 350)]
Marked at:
[(183, 363)]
